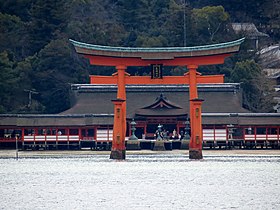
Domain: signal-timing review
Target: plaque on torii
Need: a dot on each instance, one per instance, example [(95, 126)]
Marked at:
[(156, 58)]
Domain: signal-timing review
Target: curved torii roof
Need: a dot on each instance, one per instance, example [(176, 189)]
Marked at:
[(147, 55)]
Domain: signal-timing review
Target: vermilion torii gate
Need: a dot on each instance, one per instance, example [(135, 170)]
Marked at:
[(191, 57)]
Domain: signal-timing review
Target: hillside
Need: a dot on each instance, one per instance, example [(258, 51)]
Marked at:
[(37, 60)]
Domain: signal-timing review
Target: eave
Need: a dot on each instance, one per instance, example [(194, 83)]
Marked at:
[(157, 53)]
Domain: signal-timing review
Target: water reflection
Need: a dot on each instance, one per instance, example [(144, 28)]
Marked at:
[(161, 181)]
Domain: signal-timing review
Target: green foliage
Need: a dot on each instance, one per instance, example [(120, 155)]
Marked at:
[(48, 19), (94, 22), (210, 21), (54, 69), (264, 13), (13, 36), (7, 81), (153, 23), (258, 89), (19, 8)]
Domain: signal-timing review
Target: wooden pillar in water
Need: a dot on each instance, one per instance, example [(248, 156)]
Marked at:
[(119, 130), (118, 144), (195, 147), (121, 94)]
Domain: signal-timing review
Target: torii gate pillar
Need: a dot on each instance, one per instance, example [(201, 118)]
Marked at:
[(121, 94), (195, 147), (118, 144), (119, 130)]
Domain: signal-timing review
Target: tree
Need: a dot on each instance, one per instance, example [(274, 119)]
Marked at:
[(154, 23), (7, 82), (272, 14), (13, 36), (54, 69), (94, 22), (48, 19), (210, 21), (174, 33), (258, 90), (24, 74), (19, 8)]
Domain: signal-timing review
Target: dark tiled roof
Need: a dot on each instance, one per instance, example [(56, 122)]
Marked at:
[(93, 106), (244, 119), (161, 112), (97, 99), (7, 120), (55, 120), (162, 107)]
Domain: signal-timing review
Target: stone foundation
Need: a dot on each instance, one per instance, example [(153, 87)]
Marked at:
[(133, 145), (185, 144), (159, 146), (117, 154), (195, 154)]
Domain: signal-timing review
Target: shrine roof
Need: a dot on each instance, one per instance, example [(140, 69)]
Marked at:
[(55, 119), (161, 107), (157, 52), (96, 99)]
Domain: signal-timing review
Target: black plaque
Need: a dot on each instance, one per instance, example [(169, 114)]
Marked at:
[(156, 71)]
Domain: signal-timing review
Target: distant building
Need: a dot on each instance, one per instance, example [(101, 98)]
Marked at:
[(269, 58), (253, 35), (277, 98)]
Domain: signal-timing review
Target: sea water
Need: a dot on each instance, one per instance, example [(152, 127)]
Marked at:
[(140, 182)]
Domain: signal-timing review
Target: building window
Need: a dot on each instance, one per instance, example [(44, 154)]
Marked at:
[(73, 132), (29, 132), (261, 130), (250, 131), (88, 132), (61, 131), (41, 132), (272, 131)]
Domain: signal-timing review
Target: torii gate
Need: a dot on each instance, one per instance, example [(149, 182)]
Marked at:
[(191, 57)]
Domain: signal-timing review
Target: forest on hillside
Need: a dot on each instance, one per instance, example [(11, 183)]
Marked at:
[(37, 60)]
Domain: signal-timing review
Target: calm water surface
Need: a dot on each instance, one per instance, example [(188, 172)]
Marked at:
[(141, 182)]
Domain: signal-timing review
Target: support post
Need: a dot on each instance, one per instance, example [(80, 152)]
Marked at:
[(118, 144), (195, 146), (121, 94), (195, 149)]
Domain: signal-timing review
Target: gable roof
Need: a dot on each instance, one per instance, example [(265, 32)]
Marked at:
[(162, 102), (162, 107), (248, 29)]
